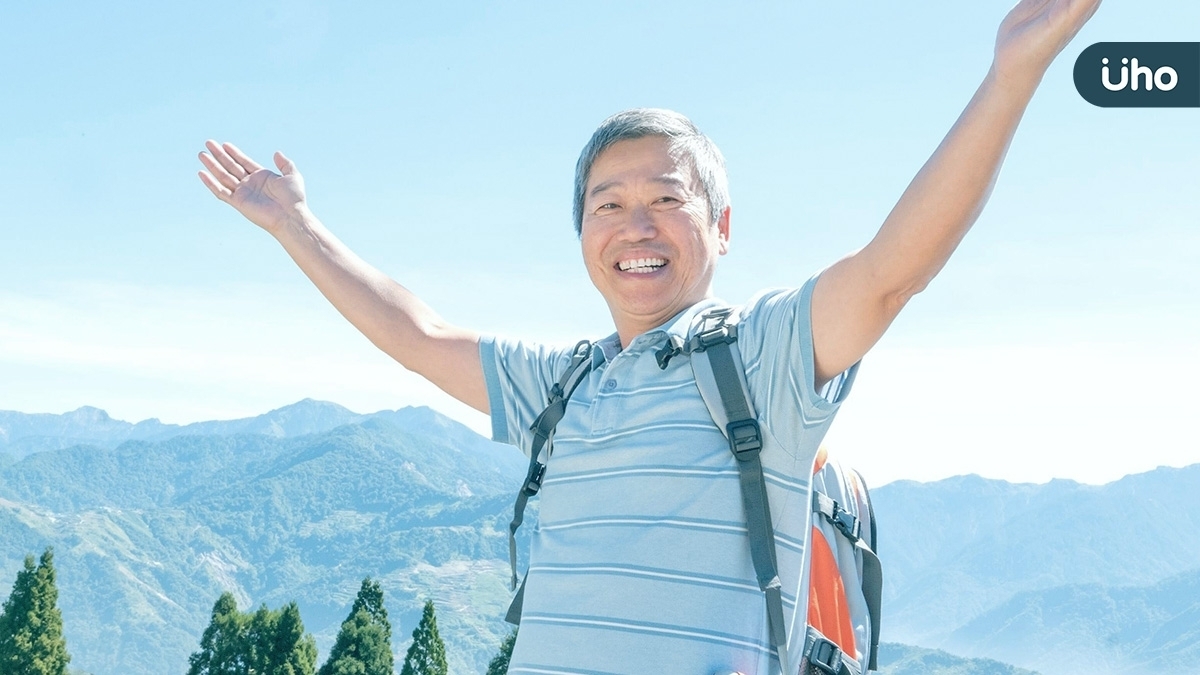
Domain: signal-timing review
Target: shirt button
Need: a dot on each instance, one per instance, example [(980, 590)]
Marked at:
[(610, 385)]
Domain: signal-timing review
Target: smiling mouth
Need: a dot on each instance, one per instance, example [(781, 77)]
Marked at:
[(641, 265)]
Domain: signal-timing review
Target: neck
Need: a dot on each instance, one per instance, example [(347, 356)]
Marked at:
[(629, 327)]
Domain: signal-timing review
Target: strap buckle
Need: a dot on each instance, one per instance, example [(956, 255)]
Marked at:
[(672, 348), (745, 439), (721, 334), (846, 523), (534, 482), (825, 656)]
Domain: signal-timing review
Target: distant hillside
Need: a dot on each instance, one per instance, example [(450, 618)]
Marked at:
[(980, 567), (897, 659), (23, 434), (149, 533), (1150, 629), (152, 522)]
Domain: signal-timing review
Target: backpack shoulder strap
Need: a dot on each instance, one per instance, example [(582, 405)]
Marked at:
[(721, 378), (872, 573), (720, 375), (543, 435)]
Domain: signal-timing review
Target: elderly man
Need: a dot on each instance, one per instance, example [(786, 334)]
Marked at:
[(640, 562)]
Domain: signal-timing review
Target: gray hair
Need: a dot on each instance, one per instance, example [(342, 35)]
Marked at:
[(684, 138)]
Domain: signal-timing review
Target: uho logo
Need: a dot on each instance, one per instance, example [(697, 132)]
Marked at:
[(1140, 74)]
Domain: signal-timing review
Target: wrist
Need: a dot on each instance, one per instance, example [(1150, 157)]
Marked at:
[(1014, 84), (299, 223)]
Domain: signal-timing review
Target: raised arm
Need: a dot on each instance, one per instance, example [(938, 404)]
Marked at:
[(389, 315), (856, 299)]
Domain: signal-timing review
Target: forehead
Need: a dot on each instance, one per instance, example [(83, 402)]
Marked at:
[(640, 159)]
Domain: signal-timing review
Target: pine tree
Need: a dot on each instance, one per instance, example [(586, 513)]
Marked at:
[(223, 647), (283, 647), (31, 630), (265, 642), (427, 655), (499, 663), (364, 643)]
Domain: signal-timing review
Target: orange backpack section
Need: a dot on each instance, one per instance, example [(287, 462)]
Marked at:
[(844, 578), (828, 609)]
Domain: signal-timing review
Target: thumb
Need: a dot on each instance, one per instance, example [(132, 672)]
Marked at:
[(286, 167)]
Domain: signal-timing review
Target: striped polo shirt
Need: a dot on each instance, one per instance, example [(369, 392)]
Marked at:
[(640, 559)]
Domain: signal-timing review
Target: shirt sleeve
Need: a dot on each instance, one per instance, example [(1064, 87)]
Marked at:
[(518, 377), (775, 337)]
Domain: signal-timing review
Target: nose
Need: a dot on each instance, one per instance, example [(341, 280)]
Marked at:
[(640, 225)]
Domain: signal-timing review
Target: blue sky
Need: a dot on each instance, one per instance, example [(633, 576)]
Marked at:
[(439, 142)]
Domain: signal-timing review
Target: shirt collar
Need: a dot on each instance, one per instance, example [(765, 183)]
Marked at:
[(677, 326)]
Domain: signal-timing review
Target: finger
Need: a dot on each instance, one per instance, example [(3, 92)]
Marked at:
[(219, 191), (232, 166), (241, 157), (286, 166), (218, 172)]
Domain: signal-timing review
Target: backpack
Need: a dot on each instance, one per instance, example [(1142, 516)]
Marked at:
[(842, 577)]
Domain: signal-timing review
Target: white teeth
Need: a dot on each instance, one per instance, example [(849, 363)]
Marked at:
[(641, 265)]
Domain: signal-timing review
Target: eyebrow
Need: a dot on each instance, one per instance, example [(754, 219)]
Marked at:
[(664, 180)]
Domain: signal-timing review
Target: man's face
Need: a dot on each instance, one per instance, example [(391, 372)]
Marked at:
[(648, 242)]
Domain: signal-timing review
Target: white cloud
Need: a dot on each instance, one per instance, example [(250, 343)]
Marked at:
[(1089, 412)]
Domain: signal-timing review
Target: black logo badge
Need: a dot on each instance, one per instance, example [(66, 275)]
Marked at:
[(1140, 74)]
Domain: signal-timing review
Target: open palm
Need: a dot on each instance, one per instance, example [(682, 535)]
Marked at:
[(266, 198)]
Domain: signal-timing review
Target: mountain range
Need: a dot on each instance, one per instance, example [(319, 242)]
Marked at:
[(148, 533), (1061, 577), (151, 522), (22, 434)]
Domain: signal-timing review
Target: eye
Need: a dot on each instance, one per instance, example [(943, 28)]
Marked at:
[(607, 207)]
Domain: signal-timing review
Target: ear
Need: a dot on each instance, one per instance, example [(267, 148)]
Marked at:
[(723, 230)]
